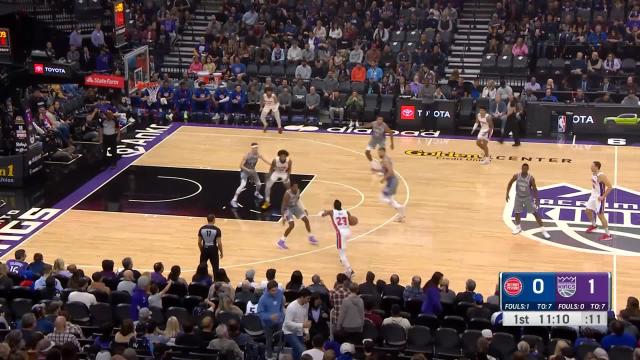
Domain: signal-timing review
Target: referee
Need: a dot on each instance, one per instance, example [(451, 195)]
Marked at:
[(210, 243), (109, 135)]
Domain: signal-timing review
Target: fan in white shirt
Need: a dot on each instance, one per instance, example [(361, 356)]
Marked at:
[(317, 353)]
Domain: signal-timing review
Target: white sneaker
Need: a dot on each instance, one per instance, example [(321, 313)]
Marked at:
[(357, 124), (258, 196), (546, 234), (234, 204), (350, 123), (517, 230), (485, 161)]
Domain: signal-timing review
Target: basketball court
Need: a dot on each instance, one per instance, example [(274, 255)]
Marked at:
[(456, 211)]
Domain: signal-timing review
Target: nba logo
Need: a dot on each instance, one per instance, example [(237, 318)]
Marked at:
[(407, 112), (562, 124), (38, 68)]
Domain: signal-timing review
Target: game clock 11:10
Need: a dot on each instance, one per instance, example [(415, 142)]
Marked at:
[(561, 291)]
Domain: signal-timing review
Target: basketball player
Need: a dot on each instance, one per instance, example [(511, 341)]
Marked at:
[(526, 198), (280, 171), (19, 263), (248, 172), (600, 188), (210, 243), (340, 220), (483, 119), (291, 209), (379, 130), (389, 177), (269, 104)]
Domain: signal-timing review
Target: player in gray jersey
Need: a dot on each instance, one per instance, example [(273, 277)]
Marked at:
[(291, 209), (391, 184), (248, 172), (526, 199), (379, 131)]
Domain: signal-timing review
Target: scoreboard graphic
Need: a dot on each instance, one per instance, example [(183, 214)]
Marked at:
[(547, 299), (5, 45)]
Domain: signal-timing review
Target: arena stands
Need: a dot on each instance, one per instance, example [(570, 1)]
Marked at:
[(165, 315)]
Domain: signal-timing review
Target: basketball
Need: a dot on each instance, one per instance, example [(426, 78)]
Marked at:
[(353, 220)]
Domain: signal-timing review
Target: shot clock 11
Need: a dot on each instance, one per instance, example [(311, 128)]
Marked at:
[(552, 299)]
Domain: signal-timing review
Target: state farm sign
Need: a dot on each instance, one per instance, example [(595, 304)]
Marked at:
[(107, 81)]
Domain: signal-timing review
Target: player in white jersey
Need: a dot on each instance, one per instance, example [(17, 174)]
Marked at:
[(292, 208), (600, 188), (269, 104), (248, 172), (341, 221), (391, 184), (484, 121), (379, 132), (280, 171)]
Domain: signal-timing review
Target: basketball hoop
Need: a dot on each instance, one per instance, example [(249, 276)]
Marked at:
[(152, 90)]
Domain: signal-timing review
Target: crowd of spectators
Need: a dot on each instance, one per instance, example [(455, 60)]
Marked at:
[(59, 312)]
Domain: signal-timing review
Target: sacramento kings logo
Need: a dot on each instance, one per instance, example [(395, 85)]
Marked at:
[(566, 286), (562, 211)]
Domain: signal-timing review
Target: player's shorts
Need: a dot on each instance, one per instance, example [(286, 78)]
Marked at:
[(484, 135), (595, 205), (342, 236), (279, 176), (391, 187), (252, 176), (294, 212), (375, 143), (524, 204)]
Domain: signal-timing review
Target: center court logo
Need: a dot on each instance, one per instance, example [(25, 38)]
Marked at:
[(562, 210), (459, 156)]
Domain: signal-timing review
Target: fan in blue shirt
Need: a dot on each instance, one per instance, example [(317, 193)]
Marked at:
[(618, 337)]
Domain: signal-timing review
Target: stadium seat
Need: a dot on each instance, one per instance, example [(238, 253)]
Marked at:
[(198, 289), (370, 107), (224, 317), (386, 106), (389, 301), (628, 66), (469, 341), (413, 307), (358, 87), (477, 312), (488, 64), (122, 312), (564, 332), (398, 36), (462, 307), (101, 296), (344, 87), (419, 340), (466, 111), (620, 353), (120, 297), (264, 71), (410, 46), (428, 320), (413, 36), (178, 289), (157, 315), (169, 300), (278, 71), (252, 70), (101, 314), (396, 46), (454, 322), (190, 302), (291, 72), (78, 312), (558, 66), (393, 335), (370, 331), (21, 306), (543, 68), (319, 85), (479, 324), (252, 325), (520, 65), (504, 64), (502, 345), (447, 343), (540, 331), (22, 292), (180, 313)]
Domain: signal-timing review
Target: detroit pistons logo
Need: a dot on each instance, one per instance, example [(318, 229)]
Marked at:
[(562, 209), (512, 286)]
